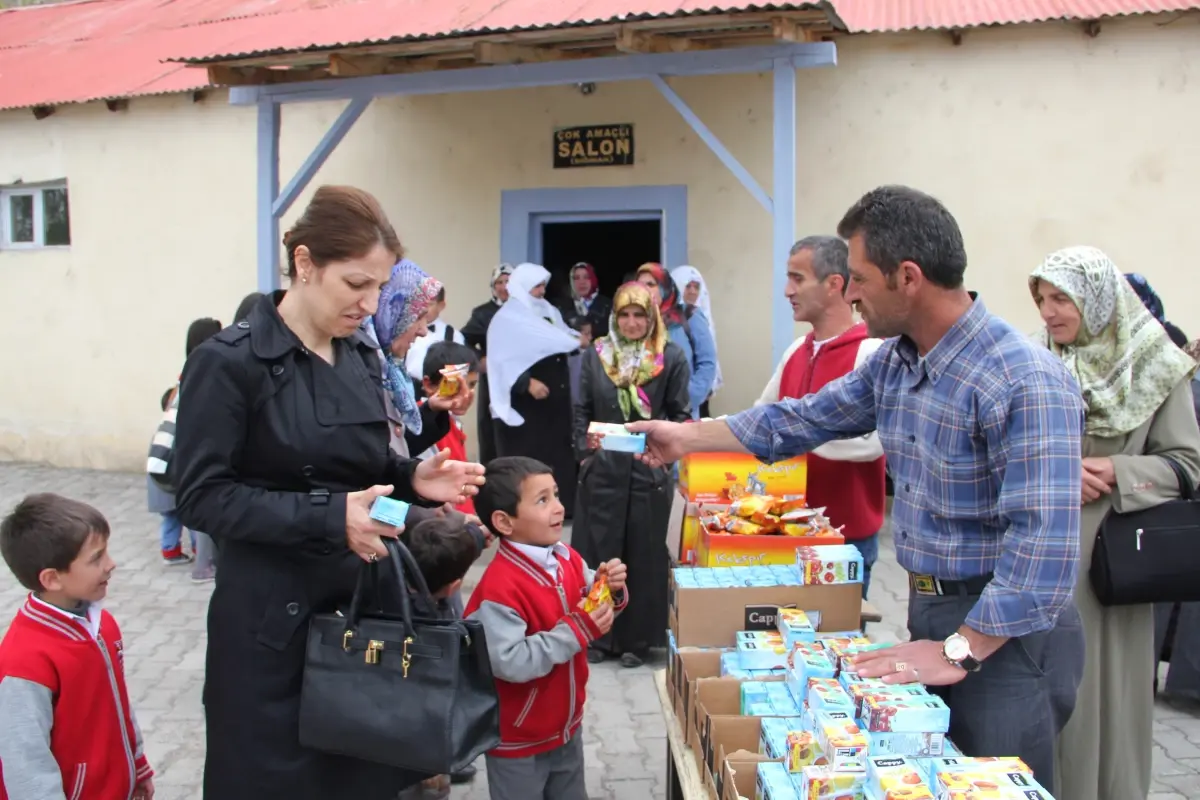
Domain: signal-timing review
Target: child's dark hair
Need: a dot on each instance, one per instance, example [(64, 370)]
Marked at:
[(440, 354), (441, 295), (166, 398), (47, 531), (444, 549), (502, 491), (246, 306), (199, 331)]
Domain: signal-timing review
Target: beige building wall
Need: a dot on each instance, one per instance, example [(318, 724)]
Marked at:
[(1036, 137)]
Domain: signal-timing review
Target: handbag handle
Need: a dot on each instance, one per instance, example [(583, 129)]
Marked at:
[(406, 571), (1186, 490)]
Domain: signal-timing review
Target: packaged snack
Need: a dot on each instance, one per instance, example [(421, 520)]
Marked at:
[(743, 527), (917, 714), (896, 778), (615, 438), (790, 512), (748, 505), (389, 511), (453, 376), (823, 783), (599, 595), (790, 505), (842, 742)]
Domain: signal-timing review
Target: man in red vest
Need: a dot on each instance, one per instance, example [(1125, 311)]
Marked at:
[(847, 476)]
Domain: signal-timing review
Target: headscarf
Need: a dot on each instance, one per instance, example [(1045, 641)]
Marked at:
[(525, 330), (670, 306), (499, 272), (403, 302), (1118, 339), (629, 363), (583, 303), (1154, 305), (684, 275)]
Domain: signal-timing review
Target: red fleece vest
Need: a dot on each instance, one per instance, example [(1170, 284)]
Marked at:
[(853, 491)]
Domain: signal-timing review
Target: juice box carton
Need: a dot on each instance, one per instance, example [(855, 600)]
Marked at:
[(826, 694), (985, 785), (753, 692), (824, 783), (843, 743), (829, 564), (731, 668), (762, 654), (959, 763), (781, 699), (615, 438), (807, 667), (919, 714), (787, 738), (894, 777), (840, 635), (774, 782), (922, 746), (861, 691), (795, 626)]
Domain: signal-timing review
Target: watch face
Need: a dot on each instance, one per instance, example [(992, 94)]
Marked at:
[(957, 648)]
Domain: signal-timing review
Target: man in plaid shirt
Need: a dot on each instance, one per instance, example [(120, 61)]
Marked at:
[(981, 429)]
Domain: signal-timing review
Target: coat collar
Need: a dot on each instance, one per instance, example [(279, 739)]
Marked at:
[(73, 627)]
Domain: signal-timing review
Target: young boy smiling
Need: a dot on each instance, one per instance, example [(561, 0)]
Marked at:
[(530, 603), (68, 730)]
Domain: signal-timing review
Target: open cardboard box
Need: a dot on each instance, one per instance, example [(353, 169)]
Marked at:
[(738, 776), (732, 734), (715, 697), (690, 665)]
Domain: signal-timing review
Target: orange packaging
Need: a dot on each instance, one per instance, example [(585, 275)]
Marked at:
[(452, 377), (722, 477), (599, 595), (720, 549)]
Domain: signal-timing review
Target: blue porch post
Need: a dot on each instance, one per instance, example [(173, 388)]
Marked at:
[(268, 190), (784, 205)]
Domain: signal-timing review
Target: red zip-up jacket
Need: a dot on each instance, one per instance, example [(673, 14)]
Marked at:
[(537, 639), (62, 679)]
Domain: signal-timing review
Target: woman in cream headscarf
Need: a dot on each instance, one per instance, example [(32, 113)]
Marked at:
[(1136, 389), (530, 380), (475, 335), (695, 293), (633, 373)]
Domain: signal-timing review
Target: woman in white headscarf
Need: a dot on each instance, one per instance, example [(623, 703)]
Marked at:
[(691, 283), (1136, 387), (530, 379), (475, 335)]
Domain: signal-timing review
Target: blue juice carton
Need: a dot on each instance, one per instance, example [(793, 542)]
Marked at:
[(616, 439), (781, 699), (920, 746), (896, 777), (795, 626), (842, 742), (826, 783), (829, 564), (915, 714), (774, 783), (389, 511), (787, 738), (762, 653), (826, 694), (807, 666)]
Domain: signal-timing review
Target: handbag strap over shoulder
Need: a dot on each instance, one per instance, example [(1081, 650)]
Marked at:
[(1186, 490)]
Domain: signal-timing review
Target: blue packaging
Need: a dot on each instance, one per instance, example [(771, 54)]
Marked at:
[(616, 439), (389, 511)]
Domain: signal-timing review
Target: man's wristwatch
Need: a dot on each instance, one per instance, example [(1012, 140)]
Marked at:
[(957, 651)]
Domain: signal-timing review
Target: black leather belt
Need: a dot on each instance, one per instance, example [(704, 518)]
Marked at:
[(930, 586)]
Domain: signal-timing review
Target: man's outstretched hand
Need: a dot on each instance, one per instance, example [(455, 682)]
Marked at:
[(665, 441)]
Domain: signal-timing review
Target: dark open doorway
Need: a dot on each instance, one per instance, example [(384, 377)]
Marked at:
[(614, 248)]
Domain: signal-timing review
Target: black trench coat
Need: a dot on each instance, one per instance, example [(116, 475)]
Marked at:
[(623, 506), (270, 439)]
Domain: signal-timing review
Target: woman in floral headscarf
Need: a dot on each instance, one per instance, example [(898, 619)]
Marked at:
[(633, 373), (1136, 389), (689, 328), (475, 334)]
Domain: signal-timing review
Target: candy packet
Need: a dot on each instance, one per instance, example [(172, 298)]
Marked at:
[(599, 595), (453, 376)]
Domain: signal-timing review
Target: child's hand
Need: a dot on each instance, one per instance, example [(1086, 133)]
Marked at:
[(144, 790), (603, 617), (616, 571)]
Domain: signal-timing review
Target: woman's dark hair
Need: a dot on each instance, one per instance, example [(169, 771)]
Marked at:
[(340, 223), (199, 331), (243, 309)]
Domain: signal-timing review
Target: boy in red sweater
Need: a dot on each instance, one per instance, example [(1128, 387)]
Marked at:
[(439, 356), (530, 601), (68, 729)]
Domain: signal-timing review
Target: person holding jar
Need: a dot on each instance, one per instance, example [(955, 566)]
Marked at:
[(283, 445)]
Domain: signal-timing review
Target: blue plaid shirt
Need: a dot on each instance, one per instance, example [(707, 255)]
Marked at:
[(982, 438)]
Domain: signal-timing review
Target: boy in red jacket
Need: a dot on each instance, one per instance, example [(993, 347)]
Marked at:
[(439, 356), (68, 729), (530, 601)]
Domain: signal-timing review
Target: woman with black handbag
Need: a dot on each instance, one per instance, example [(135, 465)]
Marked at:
[(1140, 434), (282, 447)]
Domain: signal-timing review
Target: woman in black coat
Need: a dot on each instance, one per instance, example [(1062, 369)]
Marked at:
[(623, 505), (282, 446), (475, 335)]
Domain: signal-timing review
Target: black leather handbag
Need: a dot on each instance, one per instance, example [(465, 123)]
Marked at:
[(397, 689), (1152, 555)]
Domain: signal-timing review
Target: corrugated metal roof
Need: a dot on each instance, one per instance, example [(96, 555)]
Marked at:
[(97, 49)]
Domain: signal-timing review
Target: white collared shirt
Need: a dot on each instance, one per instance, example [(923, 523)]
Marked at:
[(544, 557), (91, 620)]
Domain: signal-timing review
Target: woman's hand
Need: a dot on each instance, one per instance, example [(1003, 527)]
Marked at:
[(539, 390), (364, 535), (447, 481), (458, 404), (1099, 478)]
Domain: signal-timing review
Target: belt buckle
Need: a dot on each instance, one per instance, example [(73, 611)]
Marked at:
[(926, 585)]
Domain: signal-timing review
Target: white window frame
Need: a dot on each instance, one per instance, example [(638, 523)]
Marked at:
[(35, 191)]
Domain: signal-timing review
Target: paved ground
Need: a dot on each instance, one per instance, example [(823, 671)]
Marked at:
[(162, 616)]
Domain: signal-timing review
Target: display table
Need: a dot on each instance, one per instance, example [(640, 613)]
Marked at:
[(683, 774), (870, 613)]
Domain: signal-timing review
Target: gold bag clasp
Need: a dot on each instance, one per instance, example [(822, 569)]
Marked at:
[(374, 648), (405, 658)]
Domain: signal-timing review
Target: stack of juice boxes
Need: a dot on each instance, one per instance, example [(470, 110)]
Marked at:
[(857, 738)]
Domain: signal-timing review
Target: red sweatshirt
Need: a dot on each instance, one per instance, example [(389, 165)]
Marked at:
[(537, 638), (853, 489), (68, 671)]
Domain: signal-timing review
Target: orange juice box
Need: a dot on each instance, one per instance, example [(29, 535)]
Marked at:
[(787, 738), (795, 626), (807, 667), (842, 741), (762, 653), (952, 762), (722, 477), (886, 693), (989, 785), (829, 564), (826, 694), (824, 783), (888, 773), (916, 714)]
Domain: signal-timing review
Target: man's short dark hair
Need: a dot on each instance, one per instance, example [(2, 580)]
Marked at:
[(47, 531), (444, 549), (902, 224), (199, 331), (441, 354), (502, 491), (829, 256)]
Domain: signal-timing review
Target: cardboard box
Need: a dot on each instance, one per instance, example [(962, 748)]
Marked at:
[(731, 734), (737, 775), (738, 550), (712, 617), (691, 531), (708, 477), (690, 666)]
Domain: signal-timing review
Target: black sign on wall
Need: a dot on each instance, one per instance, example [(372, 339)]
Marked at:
[(594, 146)]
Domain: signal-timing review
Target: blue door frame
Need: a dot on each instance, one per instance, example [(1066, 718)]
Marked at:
[(523, 212), (781, 60)]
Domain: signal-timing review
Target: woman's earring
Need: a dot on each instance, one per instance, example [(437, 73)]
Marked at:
[(304, 279)]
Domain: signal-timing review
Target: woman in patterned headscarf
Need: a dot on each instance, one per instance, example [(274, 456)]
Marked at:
[(689, 328), (633, 373), (1135, 386), (585, 301), (475, 334)]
